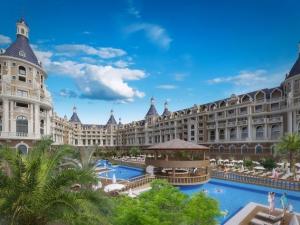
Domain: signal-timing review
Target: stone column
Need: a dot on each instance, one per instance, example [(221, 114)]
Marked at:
[(37, 120), (5, 119)]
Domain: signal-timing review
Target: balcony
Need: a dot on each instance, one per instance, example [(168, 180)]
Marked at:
[(211, 126), (259, 121), (231, 124), (18, 135), (242, 122), (221, 125), (275, 120)]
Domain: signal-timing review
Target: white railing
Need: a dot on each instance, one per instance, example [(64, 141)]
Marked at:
[(17, 135)]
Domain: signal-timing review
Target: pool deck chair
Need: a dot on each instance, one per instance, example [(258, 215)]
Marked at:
[(256, 221)]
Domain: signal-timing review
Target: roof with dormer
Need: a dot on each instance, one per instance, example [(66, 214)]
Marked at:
[(166, 112), (21, 49), (152, 111), (111, 120), (74, 118), (295, 69)]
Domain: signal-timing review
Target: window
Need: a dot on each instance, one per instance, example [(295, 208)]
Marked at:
[(212, 135), (243, 110), (232, 134), (258, 108), (0, 123), (259, 132), (244, 149), (275, 132), (232, 149), (22, 54), (23, 105), (221, 148), (275, 106), (244, 134), (258, 149), (22, 149), (42, 124), (22, 93), (22, 71), (221, 134), (21, 126)]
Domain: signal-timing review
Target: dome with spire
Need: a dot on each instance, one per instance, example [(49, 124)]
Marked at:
[(296, 67), (152, 110), (74, 118), (111, 120), (21, 48), (166, 110)]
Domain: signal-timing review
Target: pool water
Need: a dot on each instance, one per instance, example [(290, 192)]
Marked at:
[(232, 196), (121, 172)]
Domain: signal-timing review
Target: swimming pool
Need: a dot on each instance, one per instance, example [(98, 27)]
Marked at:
[(232, 196), (121, 172)]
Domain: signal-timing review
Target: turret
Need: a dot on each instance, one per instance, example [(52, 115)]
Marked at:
[(74, 118), (152, 110), (166, 110), (111, 120)]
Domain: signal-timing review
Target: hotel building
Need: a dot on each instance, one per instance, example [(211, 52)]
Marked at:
[(247, 125)]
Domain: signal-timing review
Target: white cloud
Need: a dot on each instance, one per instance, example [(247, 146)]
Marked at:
[(132, 9), (76, 49), (180, 76), (153, 32), (166, 86), (250, 80), (101, 82), (4, 40)]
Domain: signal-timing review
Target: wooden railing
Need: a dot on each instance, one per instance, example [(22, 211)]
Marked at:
[(191, 180), (138, 182), (251, 179)]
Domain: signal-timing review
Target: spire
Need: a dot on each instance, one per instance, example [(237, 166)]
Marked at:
[(111, 120), (166, 110), (296, 67), (152, 110), (74, 118), (120, 121)]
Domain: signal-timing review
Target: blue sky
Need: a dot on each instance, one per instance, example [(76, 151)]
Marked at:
[(117, 54)]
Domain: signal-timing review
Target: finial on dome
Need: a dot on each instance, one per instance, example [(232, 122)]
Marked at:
[(112, 112), (74, 109)]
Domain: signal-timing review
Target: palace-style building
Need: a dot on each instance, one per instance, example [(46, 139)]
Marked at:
[(246, 125)]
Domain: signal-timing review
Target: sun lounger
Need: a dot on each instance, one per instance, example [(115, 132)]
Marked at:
[(286, 176), (267, 216), (256, 221)]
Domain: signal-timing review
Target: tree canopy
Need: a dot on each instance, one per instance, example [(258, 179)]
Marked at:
[(35, 190), (166, 205)]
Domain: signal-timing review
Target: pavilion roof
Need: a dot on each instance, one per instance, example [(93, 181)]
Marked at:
[(178, 144)]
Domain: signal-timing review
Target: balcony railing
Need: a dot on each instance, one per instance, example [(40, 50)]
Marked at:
[(259, 121), (17, 135), (275, 120)]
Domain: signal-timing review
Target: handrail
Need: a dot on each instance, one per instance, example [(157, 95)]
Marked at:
[(251, 179)]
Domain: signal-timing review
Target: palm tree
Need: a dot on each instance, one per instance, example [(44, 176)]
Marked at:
[(289, 146), (35, 190)]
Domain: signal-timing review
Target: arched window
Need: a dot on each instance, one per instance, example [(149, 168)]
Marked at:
[(22, 149), (232, 134), (259, 132), (22, 73), (244, 149), (244, 133), (22, 126), (275, 132), (258, 149), (232, 149), (212, 135), (192, 126), (273, 149), (221, 149)]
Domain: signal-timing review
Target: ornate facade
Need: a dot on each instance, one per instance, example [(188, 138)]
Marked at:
[(241, 125)]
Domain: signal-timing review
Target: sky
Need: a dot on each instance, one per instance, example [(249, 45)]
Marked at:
[(117, 54)]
